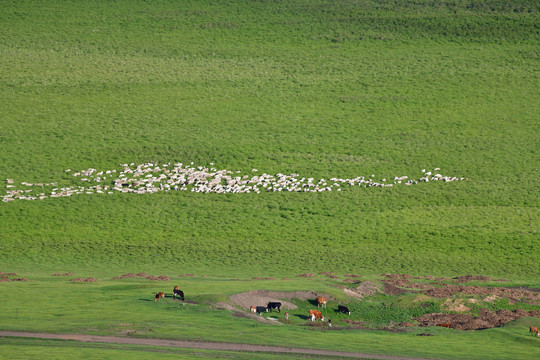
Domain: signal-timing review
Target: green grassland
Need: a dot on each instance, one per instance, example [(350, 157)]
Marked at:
[(321, 89), (127, 306)]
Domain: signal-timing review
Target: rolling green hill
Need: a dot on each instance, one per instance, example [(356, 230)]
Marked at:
[(320, 89), (344, 89)]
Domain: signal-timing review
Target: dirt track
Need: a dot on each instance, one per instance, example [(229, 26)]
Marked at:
[(199, 345)]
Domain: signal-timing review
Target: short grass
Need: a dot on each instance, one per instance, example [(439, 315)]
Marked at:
[(126, 306), (15, 348), (321, 89)]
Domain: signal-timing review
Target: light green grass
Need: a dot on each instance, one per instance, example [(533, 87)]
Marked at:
[(116, 307), (15, 348), (321, 89)]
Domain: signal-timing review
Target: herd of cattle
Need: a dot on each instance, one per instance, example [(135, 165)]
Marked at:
[(150, 178), (313, 314)]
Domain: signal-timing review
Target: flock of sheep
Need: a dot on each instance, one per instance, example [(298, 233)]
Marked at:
[(150, 178)]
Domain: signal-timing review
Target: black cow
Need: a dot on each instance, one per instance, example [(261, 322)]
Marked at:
[(274, 305), (343, 309), (179, 293), (260, 309)]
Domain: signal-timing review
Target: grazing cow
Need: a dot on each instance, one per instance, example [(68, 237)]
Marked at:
[(321, 301), (274, 305), (258, 309), (286, 315), (160, 296), (178, 292), (315, 314), (343, 309), (534, 331)]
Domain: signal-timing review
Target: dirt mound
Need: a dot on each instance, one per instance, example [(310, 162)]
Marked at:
[(397, 276), (487, 319), (408, 284), (263, 297), (390, 289), (143, 275), (5, 279), (159, 278), (263, 278), (64, 274), (366, 288), (433, 278), (306, 275), (88, 279), (468, 278)]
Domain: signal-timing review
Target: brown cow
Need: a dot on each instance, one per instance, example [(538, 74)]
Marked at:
[(315, 314), (160, 296), (321, 301), (534, 331)]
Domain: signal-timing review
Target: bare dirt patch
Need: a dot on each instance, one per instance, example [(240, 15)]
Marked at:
[(487, 319), (263, 297), (366, 288), (143, 275), (88, 279), (469, 278), (390, 289)]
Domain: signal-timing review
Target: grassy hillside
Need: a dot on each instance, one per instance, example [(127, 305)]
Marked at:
[(338, 89), (319, 89)]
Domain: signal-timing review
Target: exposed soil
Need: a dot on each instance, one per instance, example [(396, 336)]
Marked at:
[(143, 275), (390, 289), (263, 297), (88, 279), (4, 277), (396, 284), (486, 320)]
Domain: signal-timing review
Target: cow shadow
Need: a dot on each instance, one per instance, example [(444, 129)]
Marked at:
[(303, 317), (313, 302)]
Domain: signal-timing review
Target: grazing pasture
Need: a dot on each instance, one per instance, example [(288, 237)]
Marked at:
[(323, 90)]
